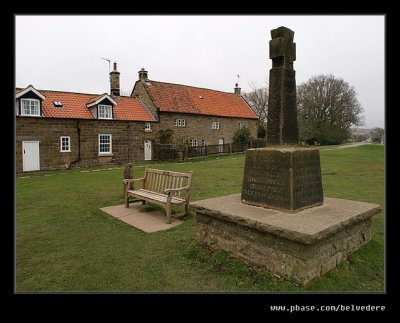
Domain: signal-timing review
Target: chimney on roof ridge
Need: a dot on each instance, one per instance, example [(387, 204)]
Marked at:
[(114, 81), (237, 89), (143, 75)]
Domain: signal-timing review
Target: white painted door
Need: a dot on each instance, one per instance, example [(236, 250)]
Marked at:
[(30, 156), (147, 150), (221, 145)]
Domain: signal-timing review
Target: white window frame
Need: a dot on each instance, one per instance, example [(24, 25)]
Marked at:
[(103, 110), (30, 107), (241, 125), (147, 126), (215, 125), (105, 153), (68, 146), (193, 142), (203, 142), (180, 123)]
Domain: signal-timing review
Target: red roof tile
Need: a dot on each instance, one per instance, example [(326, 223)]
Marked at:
[(187, 99), (74, 106), (128, 108)]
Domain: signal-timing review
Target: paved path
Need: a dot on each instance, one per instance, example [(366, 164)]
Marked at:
[(356, 144)]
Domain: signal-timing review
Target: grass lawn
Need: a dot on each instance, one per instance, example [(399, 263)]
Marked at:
[(64, 242)]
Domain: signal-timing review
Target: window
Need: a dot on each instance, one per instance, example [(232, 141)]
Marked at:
[(105, 111), (215, 125), (203, 142), (30, 107), (65, 144), (147, 126), (241, 125), (193, 142), (180, 123), (57, 104), (105, 146)]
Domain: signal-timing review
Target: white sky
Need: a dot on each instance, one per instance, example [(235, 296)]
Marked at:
[(64, 52)]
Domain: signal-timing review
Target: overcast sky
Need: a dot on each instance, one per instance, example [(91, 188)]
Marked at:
[(64, 52)]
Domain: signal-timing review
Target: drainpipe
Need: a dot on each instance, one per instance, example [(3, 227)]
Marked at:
[(158, 115), (128, 132), (78, 130)]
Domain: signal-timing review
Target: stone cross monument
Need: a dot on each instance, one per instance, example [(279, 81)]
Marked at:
[(282, 112), (280, 220), (282, 176)]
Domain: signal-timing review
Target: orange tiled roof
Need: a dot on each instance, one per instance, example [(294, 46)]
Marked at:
[(187, 99), (128, 108), (74, 106)]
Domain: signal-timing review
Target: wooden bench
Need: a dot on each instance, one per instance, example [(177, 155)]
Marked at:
[(161, 187)]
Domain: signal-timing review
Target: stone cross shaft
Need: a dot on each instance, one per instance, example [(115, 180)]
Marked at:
[(282, 127)]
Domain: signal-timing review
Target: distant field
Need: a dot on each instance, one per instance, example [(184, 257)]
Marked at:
[(65, 243)]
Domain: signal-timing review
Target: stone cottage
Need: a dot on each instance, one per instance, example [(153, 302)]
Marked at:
[(195, 115), (56, 129)]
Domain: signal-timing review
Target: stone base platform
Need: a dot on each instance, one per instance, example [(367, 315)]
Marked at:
[(298, 246)]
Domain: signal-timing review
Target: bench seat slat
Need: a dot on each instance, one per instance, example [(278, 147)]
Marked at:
[(154, 196)]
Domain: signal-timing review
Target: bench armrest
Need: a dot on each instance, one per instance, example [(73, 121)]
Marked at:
[(133, 180), (170, 190)]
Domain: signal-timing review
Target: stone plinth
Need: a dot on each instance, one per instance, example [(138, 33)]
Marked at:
[(287, 179), (298, 246)]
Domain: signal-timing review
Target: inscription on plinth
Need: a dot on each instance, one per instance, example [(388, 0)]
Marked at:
[(286, 179)]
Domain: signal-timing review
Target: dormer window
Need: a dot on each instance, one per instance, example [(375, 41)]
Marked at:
[(30, 107), (28, 102), (104, 111)]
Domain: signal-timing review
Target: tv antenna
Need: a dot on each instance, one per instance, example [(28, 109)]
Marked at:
[(109, 63)]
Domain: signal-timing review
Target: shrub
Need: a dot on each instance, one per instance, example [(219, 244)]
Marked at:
[(242, 135)]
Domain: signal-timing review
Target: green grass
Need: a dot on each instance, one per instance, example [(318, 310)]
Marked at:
[(65, 243)]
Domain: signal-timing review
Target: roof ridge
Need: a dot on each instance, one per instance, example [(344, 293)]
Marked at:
[(196, 87), (80, 93), (96, 94)]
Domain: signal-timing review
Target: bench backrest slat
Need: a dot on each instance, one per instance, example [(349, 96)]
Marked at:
[(157, 180)]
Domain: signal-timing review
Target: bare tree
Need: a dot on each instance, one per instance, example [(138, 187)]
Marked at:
[(258, 100), (327, 107)]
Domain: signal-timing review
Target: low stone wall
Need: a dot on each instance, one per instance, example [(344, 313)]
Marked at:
[(295, 261), (295, 258)]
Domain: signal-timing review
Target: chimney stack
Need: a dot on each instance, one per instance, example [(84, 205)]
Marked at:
[(114, 81), (237, 89), (143, 75)]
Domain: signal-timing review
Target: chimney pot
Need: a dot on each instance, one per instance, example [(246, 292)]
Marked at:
[(115, 66), (143, 75), (237, 89)]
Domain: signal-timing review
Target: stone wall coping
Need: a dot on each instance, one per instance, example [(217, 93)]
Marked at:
[(307, 226)]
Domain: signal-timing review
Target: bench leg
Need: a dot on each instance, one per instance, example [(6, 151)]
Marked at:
[(187, 208), (168, 211), (126, 200)]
